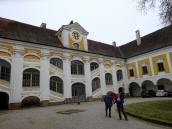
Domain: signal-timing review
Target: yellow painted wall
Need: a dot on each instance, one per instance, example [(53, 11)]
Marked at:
[(171, 57), (8, 50), (32, 58), (147, 62), (81, 43), (155, 66), (32, 50), (107, 64), (133, 65)]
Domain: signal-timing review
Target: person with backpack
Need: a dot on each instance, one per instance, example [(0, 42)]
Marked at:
[(108, 104), (120, 106)]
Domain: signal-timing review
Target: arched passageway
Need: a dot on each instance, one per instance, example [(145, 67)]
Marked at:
[(121, 90), (4, 100), (78, 92), (149, 85), (134, 89), (30, 101), (164, 84)]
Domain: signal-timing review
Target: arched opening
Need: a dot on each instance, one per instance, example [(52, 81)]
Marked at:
[(57, 62), (93, 66), (148, 85), (121, 90), (108, 79), (30, 101), (134, 89), (95, 84), (5, 70), (31, 77), (77, 67), (56, 84), (78, 92), (164, 84), (4, 100)]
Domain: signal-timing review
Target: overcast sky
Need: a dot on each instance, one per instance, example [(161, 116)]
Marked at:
[(105, 20)]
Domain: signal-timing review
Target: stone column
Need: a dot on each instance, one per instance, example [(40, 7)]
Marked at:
[(67, 78), (88, 80), (45, 78), (16, 79), (114, 77), (102, 77)]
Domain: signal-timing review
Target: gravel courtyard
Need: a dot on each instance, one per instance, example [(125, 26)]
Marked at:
[(91, 117)]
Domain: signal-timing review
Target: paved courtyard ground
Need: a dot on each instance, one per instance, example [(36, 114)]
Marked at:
[(91, 117)]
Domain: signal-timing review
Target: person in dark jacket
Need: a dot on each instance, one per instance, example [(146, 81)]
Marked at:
[(108, 104), (120, 106)]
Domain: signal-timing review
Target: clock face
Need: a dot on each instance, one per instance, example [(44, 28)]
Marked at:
[(75, 35)]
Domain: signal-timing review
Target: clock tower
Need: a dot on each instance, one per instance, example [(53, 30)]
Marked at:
[(73, 36)]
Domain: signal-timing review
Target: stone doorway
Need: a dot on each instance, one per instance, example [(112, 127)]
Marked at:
[(78, 92)]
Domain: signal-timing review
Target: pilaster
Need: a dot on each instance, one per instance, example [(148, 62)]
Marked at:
[(67, 76), (16, 76), (88, 78), (44, 76), (102, 77), (114, 77)]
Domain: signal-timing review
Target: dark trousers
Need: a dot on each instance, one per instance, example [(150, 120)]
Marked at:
[(106, 110), (121, 109)]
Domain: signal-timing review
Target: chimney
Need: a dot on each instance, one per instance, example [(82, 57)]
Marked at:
[(114, 43), (138, 38), (43, 25)]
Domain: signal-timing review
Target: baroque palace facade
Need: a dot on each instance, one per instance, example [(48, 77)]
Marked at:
[(39, 64)]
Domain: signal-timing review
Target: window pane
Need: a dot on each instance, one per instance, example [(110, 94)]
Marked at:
[(145, 70), (160, 67), (131, 73)]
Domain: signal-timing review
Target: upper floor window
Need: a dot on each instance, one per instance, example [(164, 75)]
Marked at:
[(57, 62), (145, 70), (119, 75), (108, 78), (95, 84), (93, 66), (31, 77), (5, 70), (160, 66), (56, 84), (131, 72), (76, 45), (77, 67)]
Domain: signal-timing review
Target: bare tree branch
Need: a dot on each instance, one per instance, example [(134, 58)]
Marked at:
[(165, 8)]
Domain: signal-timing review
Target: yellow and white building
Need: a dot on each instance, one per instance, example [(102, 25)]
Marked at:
[(39, 64)]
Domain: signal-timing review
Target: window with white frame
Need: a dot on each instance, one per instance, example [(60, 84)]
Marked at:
[(160, 65), (77, 67), (95, 84), (5, 70), (119, 75), (144, 69), (56, 84), (57, 62), (93, 66), (31, 77), (108, 78), (131, 71), (76, 45)]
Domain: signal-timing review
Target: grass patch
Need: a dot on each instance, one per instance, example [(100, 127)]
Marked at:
[(158, 111)]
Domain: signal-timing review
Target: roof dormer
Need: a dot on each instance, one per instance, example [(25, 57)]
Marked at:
[(73, 36)]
